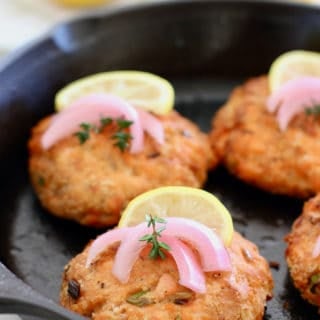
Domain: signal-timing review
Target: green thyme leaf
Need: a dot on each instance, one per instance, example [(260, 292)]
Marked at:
[(161, 254), (85, 126), (313, 111), (124, 124), (160, 220), (154, 253), (164, 246), (160, 230), (146, 237), (105, 122), (122, 139), (148, 219), (83, 136)]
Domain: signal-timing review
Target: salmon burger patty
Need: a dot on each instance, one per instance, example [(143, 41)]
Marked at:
[(153, 292), (247, 139), (92, 182), (303, 251)]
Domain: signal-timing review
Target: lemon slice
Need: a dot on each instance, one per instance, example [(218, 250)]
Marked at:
[(184, 202), (293, 64), (142, 89), (81, 3)]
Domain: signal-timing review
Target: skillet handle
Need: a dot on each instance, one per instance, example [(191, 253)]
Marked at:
[(17, 297)]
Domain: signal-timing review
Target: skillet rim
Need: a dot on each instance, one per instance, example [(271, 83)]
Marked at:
[(113, 10)]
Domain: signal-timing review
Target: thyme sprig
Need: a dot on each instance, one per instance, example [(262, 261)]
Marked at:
[(123, 123), (84, 134), (104, 122), (158, 247), (313, 111), (122, 138)]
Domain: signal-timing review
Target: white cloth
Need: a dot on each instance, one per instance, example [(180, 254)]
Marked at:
[(9, 317), (24, 20)]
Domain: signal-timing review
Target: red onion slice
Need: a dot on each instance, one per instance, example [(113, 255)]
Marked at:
[(190, 273), (294, 97), (91, 109), (103, 242), (129, 251), (151, 125), (213, 255)]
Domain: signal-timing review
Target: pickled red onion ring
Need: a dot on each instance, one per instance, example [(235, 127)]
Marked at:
[(213, 255), (294, 97), (128, 252), (90, 109), (151, 125), (103, 242), (190, 273), (316, 248)]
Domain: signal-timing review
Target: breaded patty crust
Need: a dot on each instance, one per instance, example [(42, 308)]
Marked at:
[(241, 294), (92, 182), (302, 255), (247, 139)]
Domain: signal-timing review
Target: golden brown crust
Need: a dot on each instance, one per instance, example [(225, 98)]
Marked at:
[(246, 138), (239, 295), (301, 241), (91, 183)]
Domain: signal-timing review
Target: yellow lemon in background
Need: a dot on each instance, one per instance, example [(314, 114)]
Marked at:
[(293, 64), (81, 3)]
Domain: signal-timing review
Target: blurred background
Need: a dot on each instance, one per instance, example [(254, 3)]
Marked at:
[(24, 20)]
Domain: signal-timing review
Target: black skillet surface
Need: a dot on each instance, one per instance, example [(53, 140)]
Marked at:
[(204, 48)]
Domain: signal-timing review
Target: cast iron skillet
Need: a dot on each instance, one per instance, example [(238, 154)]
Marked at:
[(204, 48)]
